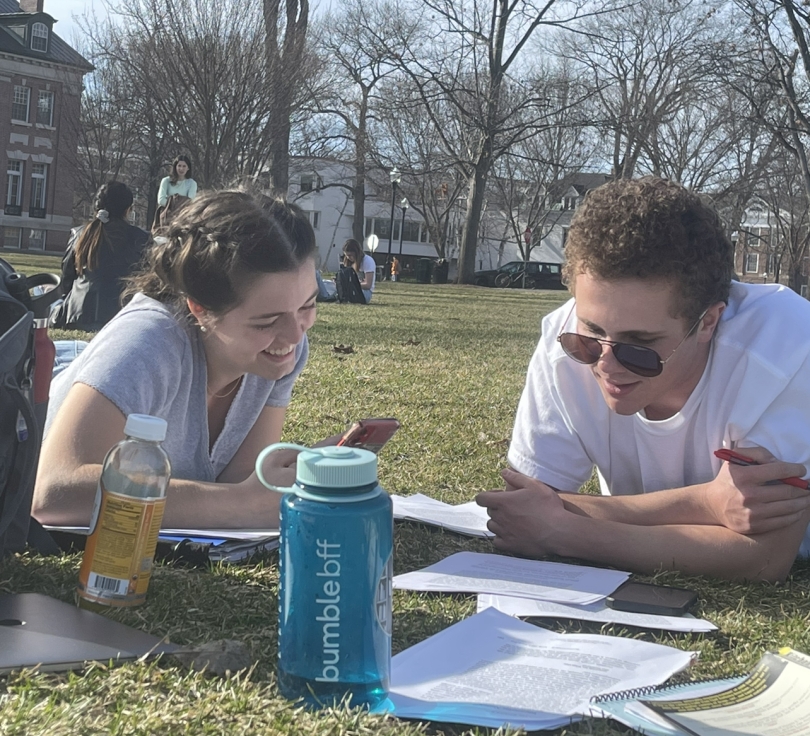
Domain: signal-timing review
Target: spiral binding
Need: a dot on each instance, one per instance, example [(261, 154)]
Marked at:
[(641, 692)]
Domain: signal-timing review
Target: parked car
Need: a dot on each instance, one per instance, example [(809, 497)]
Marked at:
[(538, 275)]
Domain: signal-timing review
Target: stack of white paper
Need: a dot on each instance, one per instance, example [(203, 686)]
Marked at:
[(592, 612), (494, 670), (475, 572), (467, 518)]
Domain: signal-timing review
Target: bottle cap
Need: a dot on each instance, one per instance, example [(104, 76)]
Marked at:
[(145, 427), (338, 470)]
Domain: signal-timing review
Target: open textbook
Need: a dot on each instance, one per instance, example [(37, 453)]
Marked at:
[(476, 572), (773, 700), (466, 518), (495, 670)]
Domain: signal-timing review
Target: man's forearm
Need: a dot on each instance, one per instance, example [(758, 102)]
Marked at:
[(695, 550), (674, 506)]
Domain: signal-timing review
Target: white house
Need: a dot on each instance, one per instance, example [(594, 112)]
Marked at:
[(322, 187)]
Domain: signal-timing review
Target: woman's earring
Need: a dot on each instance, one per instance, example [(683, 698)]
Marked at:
[(202, 328)]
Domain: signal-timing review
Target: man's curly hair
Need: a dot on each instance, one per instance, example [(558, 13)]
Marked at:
[(651, 228)]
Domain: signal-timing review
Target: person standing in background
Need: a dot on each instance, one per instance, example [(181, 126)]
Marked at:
[(175, 189), (395, 269)]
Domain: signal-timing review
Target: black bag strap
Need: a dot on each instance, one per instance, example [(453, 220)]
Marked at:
[(30, 454)]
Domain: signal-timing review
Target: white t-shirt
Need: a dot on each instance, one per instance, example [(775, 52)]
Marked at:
[(755, 391), (370, 265)]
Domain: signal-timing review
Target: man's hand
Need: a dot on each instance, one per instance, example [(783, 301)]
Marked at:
[(741, 498), (526, 518)]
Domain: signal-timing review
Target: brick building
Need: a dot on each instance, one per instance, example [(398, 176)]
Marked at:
[(40, 98)]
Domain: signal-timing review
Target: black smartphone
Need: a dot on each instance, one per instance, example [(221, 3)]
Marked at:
[(661, 600)]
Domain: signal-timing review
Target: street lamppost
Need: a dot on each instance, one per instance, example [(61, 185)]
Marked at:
[(404, 204), (395, 176)]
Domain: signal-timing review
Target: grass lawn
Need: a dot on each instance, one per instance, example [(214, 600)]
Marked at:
[(449, 362)]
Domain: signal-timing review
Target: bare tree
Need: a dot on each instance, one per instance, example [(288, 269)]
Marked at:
[(431, 179), (355, 62), (285, 58), (191, 65), (528, 176), (646, 66), (770, 66), (467, 55), (789, 210)]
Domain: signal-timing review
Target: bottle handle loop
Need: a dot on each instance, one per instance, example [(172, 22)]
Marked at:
[(263, 456)]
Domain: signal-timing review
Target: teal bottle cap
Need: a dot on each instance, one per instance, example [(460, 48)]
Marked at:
[(336, 469)]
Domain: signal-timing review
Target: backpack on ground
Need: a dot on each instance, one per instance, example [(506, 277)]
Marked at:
[(20, 428), (348, 286)]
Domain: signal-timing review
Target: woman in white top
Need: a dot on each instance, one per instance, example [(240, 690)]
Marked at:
[(364, 265)]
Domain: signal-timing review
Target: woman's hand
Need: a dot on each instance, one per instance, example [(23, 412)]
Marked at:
[(329, 441), (278, 469)]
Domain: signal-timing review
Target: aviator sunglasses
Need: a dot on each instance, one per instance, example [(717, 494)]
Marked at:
[(636, 358)]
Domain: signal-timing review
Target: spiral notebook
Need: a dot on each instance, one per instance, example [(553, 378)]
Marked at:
[(626, 707)]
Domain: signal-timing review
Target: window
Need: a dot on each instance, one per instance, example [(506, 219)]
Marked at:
[(36, 240), (772, 264), (39, 37), (752, 263), (804, 290), (39, 181), (310, 182), (45, 108), (314, 219), (19, 107), (410, 231), (14, 188), (12, 237), (759, 237), (19, 30)]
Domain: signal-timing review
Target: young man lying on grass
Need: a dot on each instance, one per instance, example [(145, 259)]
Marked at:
[(658, 360)]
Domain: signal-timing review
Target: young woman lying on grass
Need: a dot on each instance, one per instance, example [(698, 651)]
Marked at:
[(212, 341)]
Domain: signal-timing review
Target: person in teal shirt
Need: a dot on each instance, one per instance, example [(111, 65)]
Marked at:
[(178, 182)]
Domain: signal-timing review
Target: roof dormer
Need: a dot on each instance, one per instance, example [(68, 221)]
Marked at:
[(40, 36)]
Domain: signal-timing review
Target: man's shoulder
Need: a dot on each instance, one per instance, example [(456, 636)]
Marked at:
[(144, 318), (759, 309), (768, 326)]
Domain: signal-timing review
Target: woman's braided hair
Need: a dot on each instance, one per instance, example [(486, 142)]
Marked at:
[(218, 243)]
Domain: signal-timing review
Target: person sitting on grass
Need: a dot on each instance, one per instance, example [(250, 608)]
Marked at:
[(212, 341), (658, 360), (99, 257), (363, 265)]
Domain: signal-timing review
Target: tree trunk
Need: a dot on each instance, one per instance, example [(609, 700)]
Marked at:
[(475, 205)]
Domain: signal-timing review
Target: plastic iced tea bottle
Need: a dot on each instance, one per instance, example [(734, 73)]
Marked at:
[(336, 548), (126, 518)]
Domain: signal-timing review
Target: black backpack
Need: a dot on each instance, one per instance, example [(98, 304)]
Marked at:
[(348, 286), (20, 427)]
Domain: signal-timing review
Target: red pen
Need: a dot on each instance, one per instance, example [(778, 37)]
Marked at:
[(736, 459)]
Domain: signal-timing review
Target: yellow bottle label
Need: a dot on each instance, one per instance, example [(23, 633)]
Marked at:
[(120, 549)]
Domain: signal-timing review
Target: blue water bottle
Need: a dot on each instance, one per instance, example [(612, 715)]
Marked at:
[(336, 569)]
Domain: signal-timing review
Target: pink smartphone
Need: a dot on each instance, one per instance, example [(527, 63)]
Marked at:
[(370, 434)]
